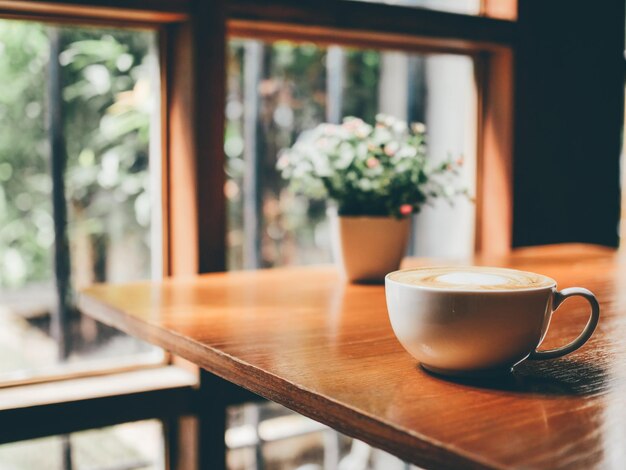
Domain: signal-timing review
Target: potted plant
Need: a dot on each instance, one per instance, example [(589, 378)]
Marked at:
[(377, 177)]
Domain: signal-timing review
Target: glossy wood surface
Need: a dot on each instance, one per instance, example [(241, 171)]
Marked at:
[(303, 338)]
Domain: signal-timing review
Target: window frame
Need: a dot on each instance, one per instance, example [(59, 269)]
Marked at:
[(100, 15), (193, 39), (37, 13), (197, 245)]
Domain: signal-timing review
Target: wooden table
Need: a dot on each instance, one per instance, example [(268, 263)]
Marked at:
[(302, 338)]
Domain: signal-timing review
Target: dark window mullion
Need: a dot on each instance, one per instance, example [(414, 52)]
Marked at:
[(58, 163)]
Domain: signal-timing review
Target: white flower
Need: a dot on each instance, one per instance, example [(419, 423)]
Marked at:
[(301, 170), (346, 156), (321, 164), (381, 136), (399, 127), (389, 121), (361, 150), (365, 184), (406, 151), (363, 131)]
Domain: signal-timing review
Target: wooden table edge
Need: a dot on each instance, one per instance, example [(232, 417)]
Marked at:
[(428, 452)]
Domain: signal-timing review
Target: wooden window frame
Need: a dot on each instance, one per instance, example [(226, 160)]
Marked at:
[(195, 147), (65, 406), (97, 14), (193, 39)]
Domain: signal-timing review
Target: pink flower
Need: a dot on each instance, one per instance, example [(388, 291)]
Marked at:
[(323, 142), (372, 162), (352, 124), (391, 148), (283, 162), (406, 209), (460, 160)]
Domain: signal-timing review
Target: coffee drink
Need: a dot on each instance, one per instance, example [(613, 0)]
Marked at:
[(471, 278), (477, 320)]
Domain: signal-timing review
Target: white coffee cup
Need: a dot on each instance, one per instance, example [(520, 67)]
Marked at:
[(476, 320)]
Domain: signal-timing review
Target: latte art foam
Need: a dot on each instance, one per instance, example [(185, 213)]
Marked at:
[(471, 278)]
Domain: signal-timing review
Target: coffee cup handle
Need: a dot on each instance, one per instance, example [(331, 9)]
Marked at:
[(559, 297)]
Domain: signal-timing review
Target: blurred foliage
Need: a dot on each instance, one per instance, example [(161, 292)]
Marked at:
[(106, 111), (291, 97), (108, 103), (26, 227)]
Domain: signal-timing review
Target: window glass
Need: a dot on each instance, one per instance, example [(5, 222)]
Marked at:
[(278, 90), (76, 103), (274, 93)]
